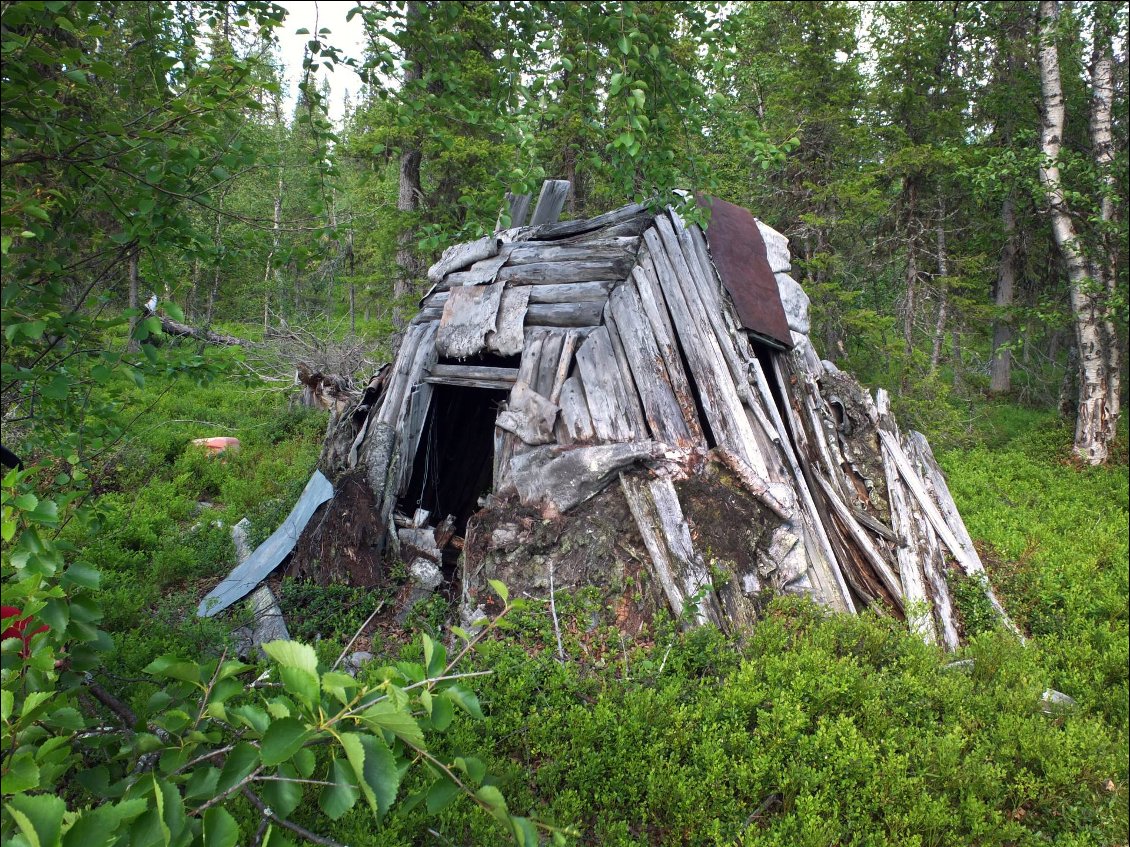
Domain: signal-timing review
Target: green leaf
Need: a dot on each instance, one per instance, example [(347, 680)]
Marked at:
[(102, 826), (174, 668), (338, 798), (292, 654), (623, 43), (525, 833), (302, 684), (494, 800), (39, 817), (283, 795), (240, 763), (282, 740), (440, 795), (58, 388), (375, 768), (22, 774), (465, 699), (442, 713), (220, 828), (82, 576), (385, 715), (500, 589), (304, 762)]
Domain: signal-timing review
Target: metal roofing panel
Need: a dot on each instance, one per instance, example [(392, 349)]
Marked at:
[(739, 255)]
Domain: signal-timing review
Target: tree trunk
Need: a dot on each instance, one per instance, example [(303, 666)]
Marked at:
[(214, 289), (408, 198), (1000, 375), (1094, 424), (133, 298), (943, 293)]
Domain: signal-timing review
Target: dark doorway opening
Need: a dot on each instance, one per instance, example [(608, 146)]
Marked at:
[(454, 464)]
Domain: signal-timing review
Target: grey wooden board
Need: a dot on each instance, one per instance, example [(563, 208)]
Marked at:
[(604, 391), (270, 554), (482, 272), (585, 313), (564, 363), (600, 249), (570, 292), (660, 406), (411, 431), (574, 425), (460, 256), (467, 372), (566, 229), (469, 315), (508, 338), (552, 345), (654, 306), (551, 201), (527, 373), (558, 273), (519, 208), (470, 382), (555, 478), (631, 393), (399, 381)]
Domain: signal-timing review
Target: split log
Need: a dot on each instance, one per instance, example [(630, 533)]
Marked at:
[(574, 425), (586, 313), (554, 479), (776, 498), (509, 337), (564, 363), (907, 551), (598, 249), (566, 229), (570, 292), (550, 201), (519, 208), (604, 392), (676, 566), (174, 328), (552, 344), (655, 307), (482, 272), (472, 376), (469, 315), (460, 256), (561, 273), (631, 393), (660, 405)]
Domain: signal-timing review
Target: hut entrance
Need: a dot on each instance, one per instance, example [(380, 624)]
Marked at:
[(454, 463)]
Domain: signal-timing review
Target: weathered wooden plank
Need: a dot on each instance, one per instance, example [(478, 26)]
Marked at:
[(509, 336), (565, 229), (411, 430), (968, 560), (554, 479), (469, 315), (547, 364), (560, 273), (655, 307), (827, 569), (720, 400), (527, 373), (564, 363), (529, 415), (399, 383), (550, 202), (470, 382), (509, 375), (459, 256), (864, 543), (604, 392), (482, 272), (918, 448), (633, 408), (519, 208), (677, 567), (777, 498), (598, 249), (918, 602), (570, 292), (586, 313), (660, 406), (574, 425)]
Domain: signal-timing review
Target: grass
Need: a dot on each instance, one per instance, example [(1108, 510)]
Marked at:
[(814, 730)]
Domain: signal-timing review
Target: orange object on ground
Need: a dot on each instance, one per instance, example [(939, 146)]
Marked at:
[(218, 444)]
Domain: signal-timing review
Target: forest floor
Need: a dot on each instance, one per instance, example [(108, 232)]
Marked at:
[(813, 730)]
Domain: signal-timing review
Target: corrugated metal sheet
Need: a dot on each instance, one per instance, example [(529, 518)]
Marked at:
[(738, 252), (270, 553)]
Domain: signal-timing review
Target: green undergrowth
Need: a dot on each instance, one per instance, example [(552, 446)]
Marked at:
[(813, 730)]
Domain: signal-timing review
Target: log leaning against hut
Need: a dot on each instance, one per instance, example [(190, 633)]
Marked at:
[(631, 401)]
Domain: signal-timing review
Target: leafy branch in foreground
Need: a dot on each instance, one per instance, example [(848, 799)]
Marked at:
[(213, 737)]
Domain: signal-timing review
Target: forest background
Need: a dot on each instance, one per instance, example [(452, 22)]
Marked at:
[(953, 180)]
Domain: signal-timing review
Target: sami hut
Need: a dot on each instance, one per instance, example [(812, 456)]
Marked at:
[(632, 402)]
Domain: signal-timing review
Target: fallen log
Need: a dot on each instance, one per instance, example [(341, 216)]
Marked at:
[(175, 328)]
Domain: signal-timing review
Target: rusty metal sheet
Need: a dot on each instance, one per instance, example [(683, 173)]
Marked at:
[(739, 254)]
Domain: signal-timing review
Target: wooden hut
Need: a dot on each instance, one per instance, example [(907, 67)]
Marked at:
[(634, 399)]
